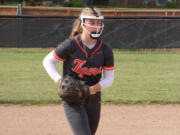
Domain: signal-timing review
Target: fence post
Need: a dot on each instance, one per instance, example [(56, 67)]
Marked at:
[(150, 50), (19, 9), (19, 26), (166, 13)]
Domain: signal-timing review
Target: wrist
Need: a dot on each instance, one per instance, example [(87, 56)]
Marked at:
[(92, 91), (95, 88), (59, 81)]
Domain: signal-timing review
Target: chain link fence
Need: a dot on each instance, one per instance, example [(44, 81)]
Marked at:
[(25, 31)]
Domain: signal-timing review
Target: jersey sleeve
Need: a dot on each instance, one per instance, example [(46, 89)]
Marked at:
[(63, 50), (108, 58)]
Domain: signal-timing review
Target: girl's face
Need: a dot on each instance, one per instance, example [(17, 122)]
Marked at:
[(93, 25)]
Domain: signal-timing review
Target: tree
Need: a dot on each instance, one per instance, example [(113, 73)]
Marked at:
[(32, 2), (2, 2), (97, 2), (125, 2)]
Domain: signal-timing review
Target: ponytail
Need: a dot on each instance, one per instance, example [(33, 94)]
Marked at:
[(77, 29)]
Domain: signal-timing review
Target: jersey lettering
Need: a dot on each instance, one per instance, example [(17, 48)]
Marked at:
[(79, 69)]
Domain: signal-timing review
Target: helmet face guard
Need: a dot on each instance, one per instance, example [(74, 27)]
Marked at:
[(93, 35)]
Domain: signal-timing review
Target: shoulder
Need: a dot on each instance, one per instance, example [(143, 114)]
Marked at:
[(65, 49), (107, 48), (66, 44)]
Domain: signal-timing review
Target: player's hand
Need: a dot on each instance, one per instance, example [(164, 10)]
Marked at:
[(59, 81), (92, 90)]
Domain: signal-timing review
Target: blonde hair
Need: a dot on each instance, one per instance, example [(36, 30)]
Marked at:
[(77, 29)]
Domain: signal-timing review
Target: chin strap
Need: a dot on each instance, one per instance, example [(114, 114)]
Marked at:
[(94, 35)]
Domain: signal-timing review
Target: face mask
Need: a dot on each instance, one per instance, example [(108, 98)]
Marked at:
[(93, 35)]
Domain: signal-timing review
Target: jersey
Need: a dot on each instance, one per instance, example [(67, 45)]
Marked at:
[(84, 63)]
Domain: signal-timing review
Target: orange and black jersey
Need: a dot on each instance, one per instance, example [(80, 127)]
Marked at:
[(84, 63)]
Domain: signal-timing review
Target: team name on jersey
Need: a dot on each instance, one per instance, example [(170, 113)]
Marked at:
[(79, 69)]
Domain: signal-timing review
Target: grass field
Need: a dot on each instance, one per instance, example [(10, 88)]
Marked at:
[(140, 78)]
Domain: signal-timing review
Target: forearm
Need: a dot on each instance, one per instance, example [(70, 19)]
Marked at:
[(106, 82), (108, 79)]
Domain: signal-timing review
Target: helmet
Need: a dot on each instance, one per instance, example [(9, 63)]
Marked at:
[(93, 35)]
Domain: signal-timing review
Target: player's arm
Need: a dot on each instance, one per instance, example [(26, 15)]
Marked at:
[(108, 71), (49, 64), (61, 53), (106, 82)]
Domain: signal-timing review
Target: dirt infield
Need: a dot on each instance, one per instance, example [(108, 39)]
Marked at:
[(115, 120)]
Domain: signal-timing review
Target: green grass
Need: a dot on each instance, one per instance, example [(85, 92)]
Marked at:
[(140, 78), (23, 79)]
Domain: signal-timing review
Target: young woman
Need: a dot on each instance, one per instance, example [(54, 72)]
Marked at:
[(85, 56)]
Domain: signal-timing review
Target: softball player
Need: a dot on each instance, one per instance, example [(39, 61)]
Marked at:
[(85, 56)]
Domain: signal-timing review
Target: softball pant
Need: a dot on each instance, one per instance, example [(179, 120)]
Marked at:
[(84, 118)]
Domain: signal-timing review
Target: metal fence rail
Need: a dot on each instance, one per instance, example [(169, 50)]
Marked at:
[(74, 17)]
